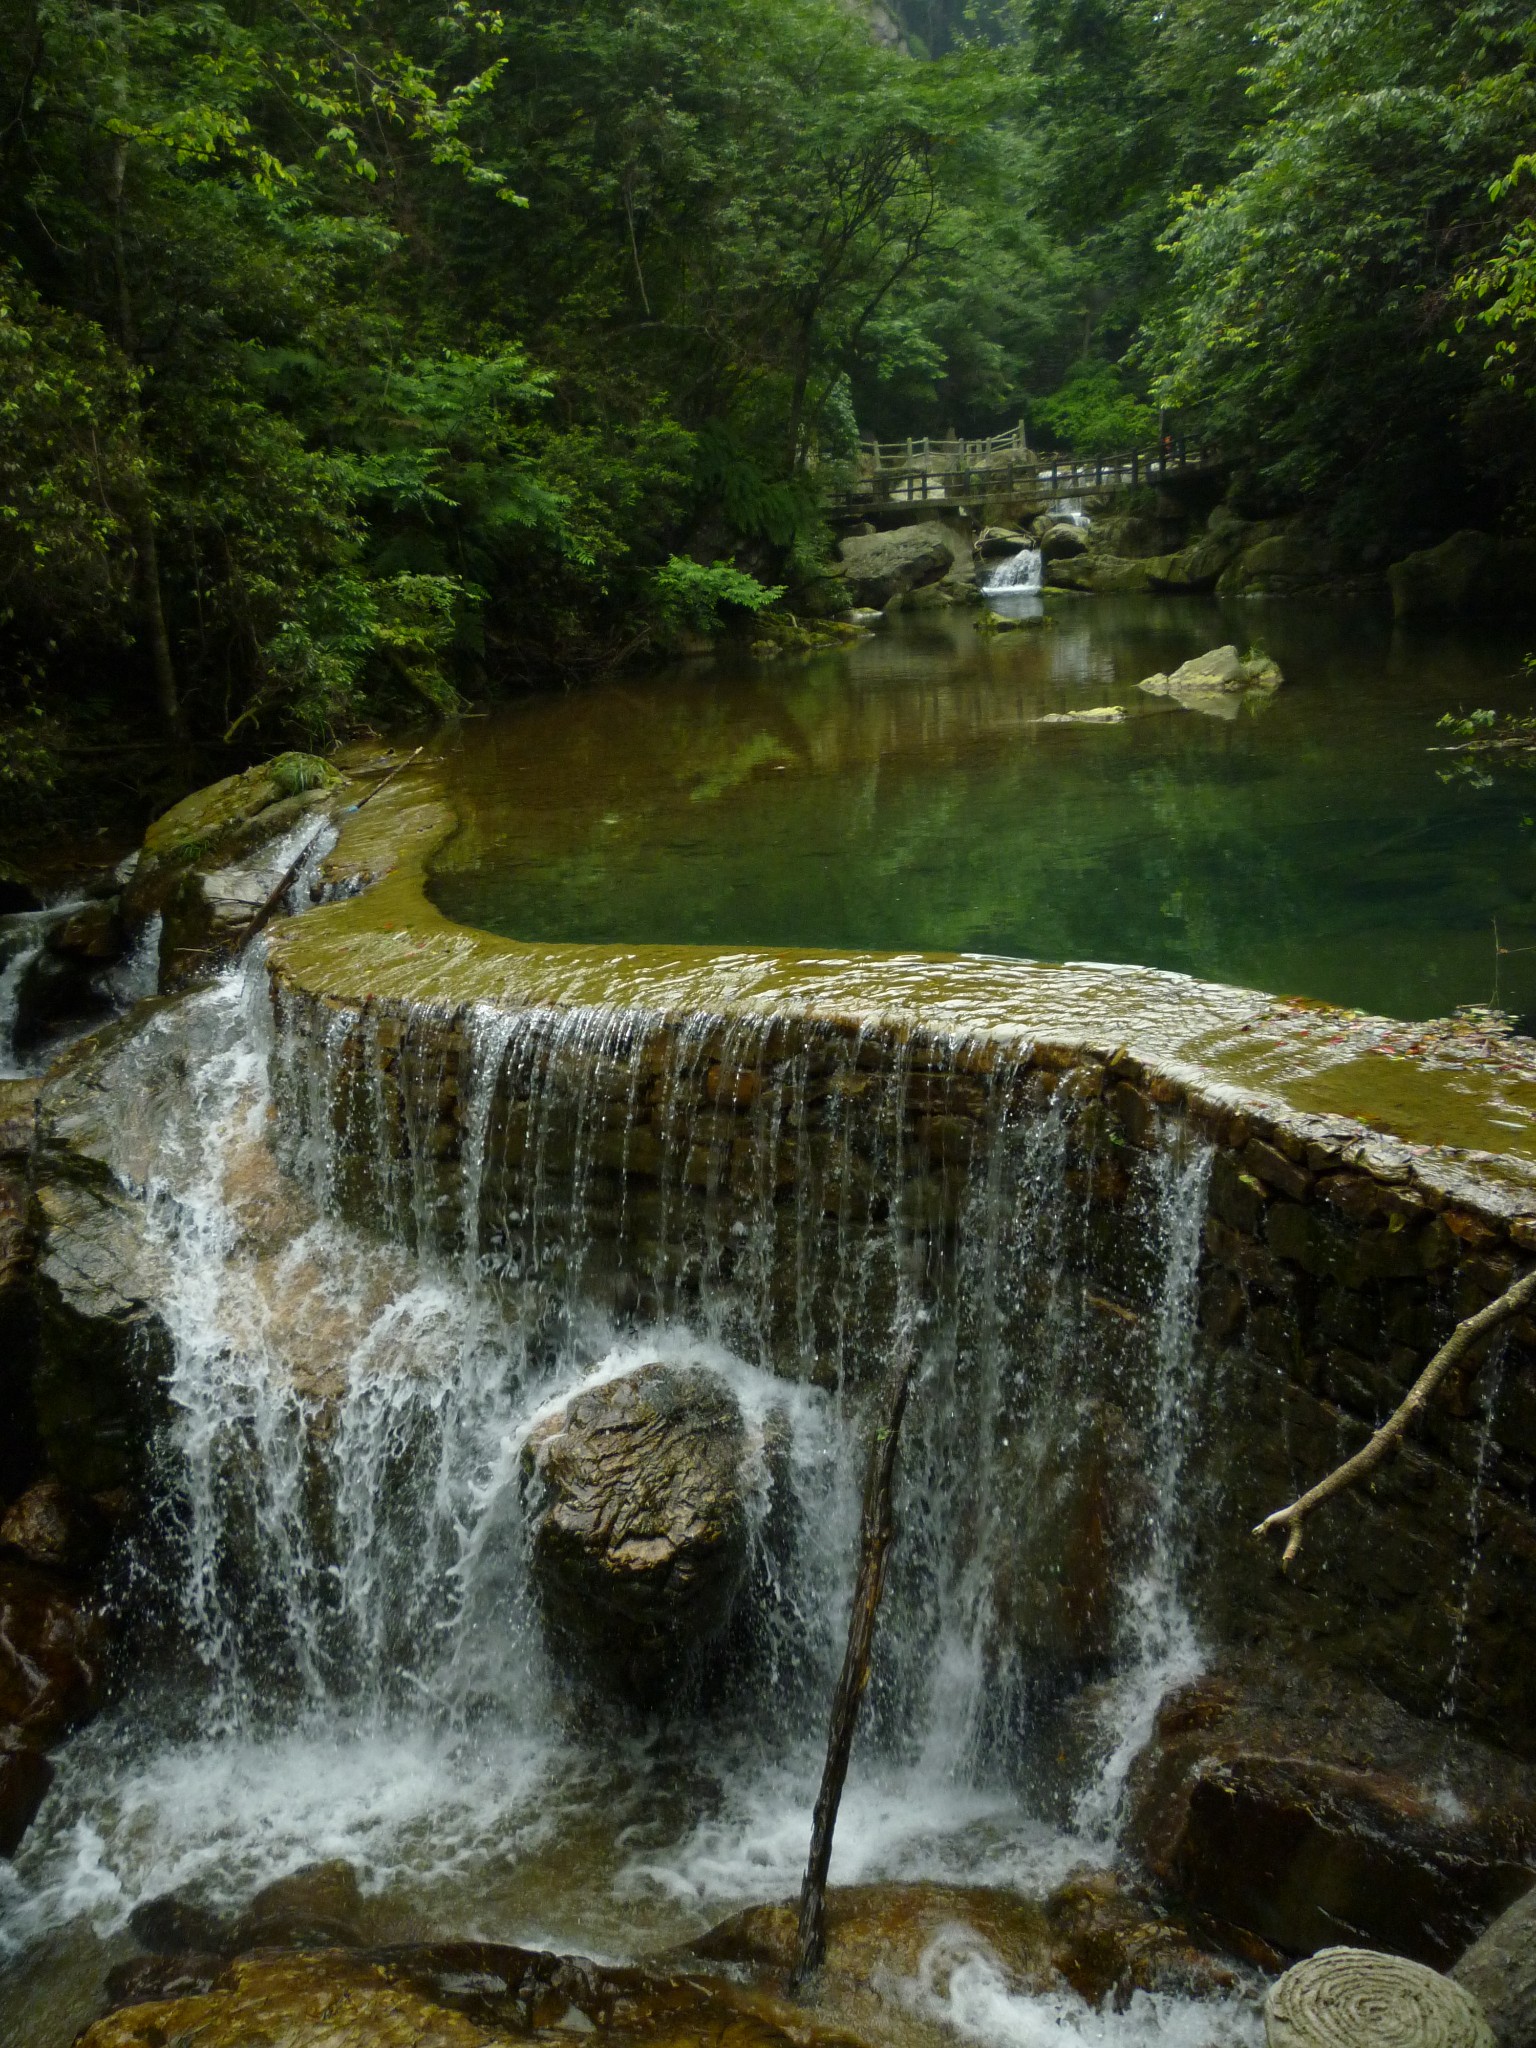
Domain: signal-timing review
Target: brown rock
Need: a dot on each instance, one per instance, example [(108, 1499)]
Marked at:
[(94, 933), (639, 1521), (1308, 1815), (149, 1980), (317, 1907), (50, 1654), (25, 1775), (55, 1528), (171, 1925)]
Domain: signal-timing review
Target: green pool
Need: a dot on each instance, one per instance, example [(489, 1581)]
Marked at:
[(904, 794)]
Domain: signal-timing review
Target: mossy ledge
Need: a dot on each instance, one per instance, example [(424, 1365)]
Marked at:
[(1335, 1254)]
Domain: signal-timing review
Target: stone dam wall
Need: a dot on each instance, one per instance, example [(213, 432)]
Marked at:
[(813, 1191)]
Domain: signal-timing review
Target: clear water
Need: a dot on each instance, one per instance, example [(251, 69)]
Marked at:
[(903, 795)]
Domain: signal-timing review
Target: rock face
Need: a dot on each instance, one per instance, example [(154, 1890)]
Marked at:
[(1469, 575), (1301, 1813), (1500, 1972), (880, 566), (1106, 575), (639, 1520)]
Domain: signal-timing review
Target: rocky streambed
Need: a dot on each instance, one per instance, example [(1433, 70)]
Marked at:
[(442, 1373)]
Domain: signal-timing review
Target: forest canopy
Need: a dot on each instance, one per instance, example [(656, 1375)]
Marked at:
[(359, 358)]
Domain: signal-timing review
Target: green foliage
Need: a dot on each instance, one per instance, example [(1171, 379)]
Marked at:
[(1093, 412), (691, 594), (296, 774)]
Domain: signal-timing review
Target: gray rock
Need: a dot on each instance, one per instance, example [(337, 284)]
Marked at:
[(639, 1522), (880, 566), (999, 543), (1499, 1970), (1215, 680), (1062, 539)]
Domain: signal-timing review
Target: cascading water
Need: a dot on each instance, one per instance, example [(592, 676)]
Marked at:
[(1020, 573), (393, 1242)]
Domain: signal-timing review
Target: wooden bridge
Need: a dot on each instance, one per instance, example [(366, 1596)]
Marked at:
[(929, 473)]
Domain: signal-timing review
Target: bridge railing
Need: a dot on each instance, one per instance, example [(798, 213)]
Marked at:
[(925, 453), (1060, 476)]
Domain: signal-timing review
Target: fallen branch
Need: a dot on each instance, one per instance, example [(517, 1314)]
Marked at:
[(876, 1530), (1391, 1433)]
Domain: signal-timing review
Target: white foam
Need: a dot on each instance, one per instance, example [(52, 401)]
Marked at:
[(962, 1984)]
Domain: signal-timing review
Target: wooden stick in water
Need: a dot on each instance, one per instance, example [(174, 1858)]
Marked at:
[(876, 1531)]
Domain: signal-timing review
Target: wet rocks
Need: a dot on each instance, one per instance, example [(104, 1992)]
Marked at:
[(446, 1995), (881, 566), (1097, 714), (52, 1526), (209, 866), (1061, 540), (1000, 543), (1301, 1812), (639, 1521), (51, 1652), (1098, 1935), (25, 1775)]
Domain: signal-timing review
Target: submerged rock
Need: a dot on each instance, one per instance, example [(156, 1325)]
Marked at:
[(880, 566), (639, 1523), (1096, 1935), (1099, 714), (320, 1906)]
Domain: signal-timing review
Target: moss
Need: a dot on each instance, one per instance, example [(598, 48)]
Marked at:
[(296, 774)]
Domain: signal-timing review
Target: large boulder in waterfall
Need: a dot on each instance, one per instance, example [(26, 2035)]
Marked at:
[(1000, 543), (638, 1498), (209, 866), (1469, 575), (880, 566), (1062, 539), (1303, 1808)]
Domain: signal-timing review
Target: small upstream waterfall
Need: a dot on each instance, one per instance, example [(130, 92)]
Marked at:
[(394, 1240), (1020, 572)]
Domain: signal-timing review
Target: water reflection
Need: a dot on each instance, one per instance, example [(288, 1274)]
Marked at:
[(905, 794)]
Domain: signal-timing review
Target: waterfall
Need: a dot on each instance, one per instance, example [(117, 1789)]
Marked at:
[(395, 1238), (1020, 572)]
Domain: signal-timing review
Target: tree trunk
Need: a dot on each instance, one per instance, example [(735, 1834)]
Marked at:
[(875, 1534), (141, 514)]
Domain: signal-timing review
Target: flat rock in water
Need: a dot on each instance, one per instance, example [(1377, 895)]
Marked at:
[(448, 1995), (1223, 672), (1101, 714)]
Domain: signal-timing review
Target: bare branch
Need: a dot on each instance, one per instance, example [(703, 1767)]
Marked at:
[(1463, 1338)]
